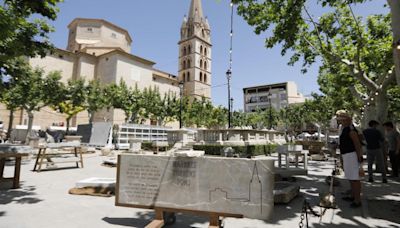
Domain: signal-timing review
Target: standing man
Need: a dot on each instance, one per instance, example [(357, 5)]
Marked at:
[(350, 149), (374, 140), (393, 146)]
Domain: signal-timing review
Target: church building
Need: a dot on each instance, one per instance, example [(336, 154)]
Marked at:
[(100, 50)]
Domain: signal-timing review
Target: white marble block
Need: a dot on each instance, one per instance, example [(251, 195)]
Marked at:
[(213, 184), (96, 182)]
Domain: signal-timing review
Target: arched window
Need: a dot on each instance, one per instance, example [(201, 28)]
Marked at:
[(205, 65), (201, 76), (184, 50), (188, 63), (188, 77), (183, 77), (183, 64), (189, 49), (205, 51), (201, 63), (205, 78), (201, 49)]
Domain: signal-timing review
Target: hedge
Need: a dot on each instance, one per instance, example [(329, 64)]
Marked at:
[(243, 151)]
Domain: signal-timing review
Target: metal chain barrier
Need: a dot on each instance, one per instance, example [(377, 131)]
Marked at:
[(304, 215)]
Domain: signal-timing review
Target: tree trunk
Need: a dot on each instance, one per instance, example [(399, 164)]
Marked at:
[(377, 111), (91, 117), (68, 123), (395, 11), (30, 124), (10, 124)]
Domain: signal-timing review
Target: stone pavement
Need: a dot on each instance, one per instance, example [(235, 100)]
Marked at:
[(43, 201)]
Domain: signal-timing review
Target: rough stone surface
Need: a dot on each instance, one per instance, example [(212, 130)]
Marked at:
[(284, 192), (226, 185)]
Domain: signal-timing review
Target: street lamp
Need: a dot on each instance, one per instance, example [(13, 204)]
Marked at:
[(228, 77), (231, 103), (180, 103), (270, 108)]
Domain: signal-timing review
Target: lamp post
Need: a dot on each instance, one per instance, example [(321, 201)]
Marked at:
[(228, 77), (270, 108), (180, 103), (231, 103)]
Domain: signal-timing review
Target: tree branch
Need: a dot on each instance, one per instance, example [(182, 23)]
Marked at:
[(359, 43), (357, 93)]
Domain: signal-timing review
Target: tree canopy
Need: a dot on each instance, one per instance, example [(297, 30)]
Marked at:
[(24, 29), (355, 54)]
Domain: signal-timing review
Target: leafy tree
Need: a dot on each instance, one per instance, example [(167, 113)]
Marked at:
[(239, 119), (8, 90), (347, 46), (169, 109), (96, 98), (20, 34), (152, 103), (122, 97), (73, 98), (289, 17), (218, 118), (33, 91)]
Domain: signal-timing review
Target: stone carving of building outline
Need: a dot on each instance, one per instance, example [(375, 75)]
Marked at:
[(255, 170)]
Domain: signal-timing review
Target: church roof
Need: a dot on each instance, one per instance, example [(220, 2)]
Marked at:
[(195, 10), (102, 21)]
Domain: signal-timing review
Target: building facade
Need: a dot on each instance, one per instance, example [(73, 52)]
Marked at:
[(278, 96), (100, 50)]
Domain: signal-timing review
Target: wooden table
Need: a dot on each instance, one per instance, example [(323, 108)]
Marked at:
[(42, 154), (12, 151)]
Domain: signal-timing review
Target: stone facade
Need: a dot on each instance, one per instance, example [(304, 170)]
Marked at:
[(195, 53)]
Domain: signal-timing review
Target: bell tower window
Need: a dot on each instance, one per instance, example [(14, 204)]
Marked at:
[(188, 77)]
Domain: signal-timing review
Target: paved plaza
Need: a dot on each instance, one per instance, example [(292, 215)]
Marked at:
[(43, 201)]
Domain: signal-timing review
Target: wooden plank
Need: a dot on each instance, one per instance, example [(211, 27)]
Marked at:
[(158, 221), (37, 159), (80, 153), (17, 172), (41, 159), (155, 224), (2, 164), (214, 221)]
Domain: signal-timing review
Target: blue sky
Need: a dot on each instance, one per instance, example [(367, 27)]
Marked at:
[(154, 26)]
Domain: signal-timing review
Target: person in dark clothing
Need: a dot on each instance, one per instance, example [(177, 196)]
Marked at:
[(393, 147), (374, 140), (350, 149)]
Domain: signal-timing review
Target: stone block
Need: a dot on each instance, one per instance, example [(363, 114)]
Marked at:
[(284, 192), (96, 182), (212, 184)]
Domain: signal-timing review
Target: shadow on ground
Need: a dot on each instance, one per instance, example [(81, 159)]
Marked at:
[(391, 212), (143, 218), (22, 195)]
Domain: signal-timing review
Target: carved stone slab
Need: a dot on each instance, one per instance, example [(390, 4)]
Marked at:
[(212, 184)]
